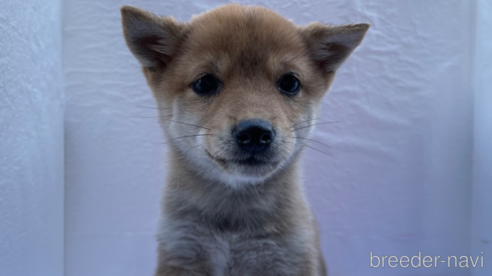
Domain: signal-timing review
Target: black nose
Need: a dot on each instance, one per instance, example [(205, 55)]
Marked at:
[(253, 135)]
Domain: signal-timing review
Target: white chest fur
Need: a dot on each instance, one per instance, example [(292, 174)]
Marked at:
[(196, 248)]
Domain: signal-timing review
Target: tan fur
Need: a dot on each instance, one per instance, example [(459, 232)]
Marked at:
[(220, 218)]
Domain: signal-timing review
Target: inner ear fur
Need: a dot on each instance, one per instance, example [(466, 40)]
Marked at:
[(151, 38), (330, 45)]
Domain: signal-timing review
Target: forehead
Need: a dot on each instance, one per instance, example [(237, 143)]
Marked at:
[(243, 37)]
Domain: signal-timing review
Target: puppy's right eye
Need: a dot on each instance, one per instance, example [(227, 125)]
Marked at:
[(207, 84)]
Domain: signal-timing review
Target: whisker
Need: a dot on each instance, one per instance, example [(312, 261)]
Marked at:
[(309, 139), (190, 148), (314, 148), (178, 122), (324, 123), (187, 136), (153, 117), (284, 147), (151, 107), (283, 156), (305, 121)]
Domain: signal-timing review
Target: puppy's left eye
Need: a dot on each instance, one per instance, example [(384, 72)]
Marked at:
[(206, 85), (289, 85)]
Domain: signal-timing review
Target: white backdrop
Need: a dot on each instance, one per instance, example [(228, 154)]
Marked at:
[(397, 178), (482, 148), (31, 139)]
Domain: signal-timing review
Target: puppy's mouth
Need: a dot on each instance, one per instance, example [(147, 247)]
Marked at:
[(253, 161)]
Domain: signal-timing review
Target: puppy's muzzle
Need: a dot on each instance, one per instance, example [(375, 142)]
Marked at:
[(253, 136)]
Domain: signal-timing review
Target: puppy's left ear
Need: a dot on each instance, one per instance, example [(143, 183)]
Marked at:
[(330, 46), (152, 39)]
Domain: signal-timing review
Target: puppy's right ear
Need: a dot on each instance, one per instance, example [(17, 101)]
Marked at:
[(152, 39)]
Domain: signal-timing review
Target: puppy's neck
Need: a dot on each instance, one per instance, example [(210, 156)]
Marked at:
[(265, 206)]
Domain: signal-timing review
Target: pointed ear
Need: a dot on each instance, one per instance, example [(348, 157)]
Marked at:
[(152, 39), (330, 46)]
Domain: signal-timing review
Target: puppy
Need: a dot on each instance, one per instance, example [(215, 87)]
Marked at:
[(237, 90)]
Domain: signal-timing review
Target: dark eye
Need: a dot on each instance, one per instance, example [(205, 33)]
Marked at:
[(206, 85), (289, 85)]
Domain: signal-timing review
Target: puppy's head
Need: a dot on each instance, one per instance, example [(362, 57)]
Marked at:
[(237, 87)]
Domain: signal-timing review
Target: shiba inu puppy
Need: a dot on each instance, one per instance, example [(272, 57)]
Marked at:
[(237, 89)]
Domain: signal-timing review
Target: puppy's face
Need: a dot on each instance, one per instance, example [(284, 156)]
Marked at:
[(237, 87)]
